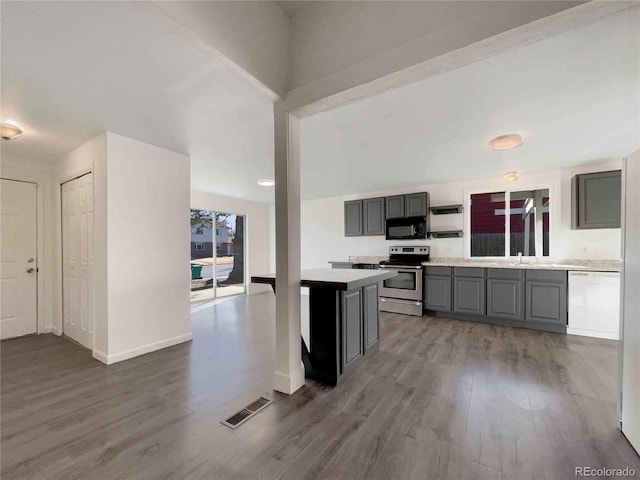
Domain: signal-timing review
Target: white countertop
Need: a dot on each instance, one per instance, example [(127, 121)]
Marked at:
[(532, 263), (342, 279)]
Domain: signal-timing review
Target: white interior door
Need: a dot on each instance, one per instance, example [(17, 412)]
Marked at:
[(630, 319), (77, 259), (18, 260)]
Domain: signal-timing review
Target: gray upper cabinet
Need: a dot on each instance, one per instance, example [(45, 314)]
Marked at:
[(596, 200), (416, 204), (373, 209), (395, 206), (353, 218), (469, 295)]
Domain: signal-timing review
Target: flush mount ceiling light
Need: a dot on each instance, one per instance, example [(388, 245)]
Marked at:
[(265, 182), (511, 176), (505, 142), (8, 131)]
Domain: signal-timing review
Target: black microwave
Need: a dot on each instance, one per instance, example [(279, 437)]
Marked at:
[(409, 228)]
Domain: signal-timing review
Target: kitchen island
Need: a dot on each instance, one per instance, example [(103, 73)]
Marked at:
[(343, 319)]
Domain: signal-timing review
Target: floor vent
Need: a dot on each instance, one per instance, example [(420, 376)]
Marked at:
[(238, 418)]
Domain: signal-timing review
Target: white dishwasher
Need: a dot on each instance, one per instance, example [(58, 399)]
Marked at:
[(594, 304)]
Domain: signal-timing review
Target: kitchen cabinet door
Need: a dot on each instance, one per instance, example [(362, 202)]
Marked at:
[(504, 299), (437, 293), (353, 218), (395, 206), (416, 204), (352, 344), (370, 320), (373, 211), (596, 200), (546, 302), (469, 295)]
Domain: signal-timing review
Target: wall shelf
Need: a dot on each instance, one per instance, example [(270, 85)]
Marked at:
[(446, 210), (447, 234)]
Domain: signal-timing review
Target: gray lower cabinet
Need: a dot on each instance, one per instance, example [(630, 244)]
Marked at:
[(353, 218), (373, 216), (469, 295), (505, 298), (395, 206), (437, 293), (546, 302), (416, 204), (370, 316), (352, 325), (596, 200)]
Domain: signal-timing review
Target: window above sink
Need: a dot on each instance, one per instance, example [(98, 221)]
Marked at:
[(509, 223)]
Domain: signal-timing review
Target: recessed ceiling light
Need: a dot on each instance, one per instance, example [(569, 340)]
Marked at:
[(505, 142), (265, 182), (511, 176), (9, 131)]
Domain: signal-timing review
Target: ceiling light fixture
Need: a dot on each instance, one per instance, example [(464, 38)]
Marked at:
[(511, 176), (505, 142), (8, 131), (265, 182)]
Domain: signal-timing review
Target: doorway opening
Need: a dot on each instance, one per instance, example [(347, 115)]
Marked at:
[(217, 254)]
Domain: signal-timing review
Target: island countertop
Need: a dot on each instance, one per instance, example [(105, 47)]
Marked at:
[(339, 279)]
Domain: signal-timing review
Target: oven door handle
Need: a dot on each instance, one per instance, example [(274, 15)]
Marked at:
[(408, 267)]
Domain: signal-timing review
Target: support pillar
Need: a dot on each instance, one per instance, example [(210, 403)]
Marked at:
[(289, 374)]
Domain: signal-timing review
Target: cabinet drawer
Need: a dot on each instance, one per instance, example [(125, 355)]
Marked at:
[(441, 271), (505, 273), (547, 275), (468, 272)]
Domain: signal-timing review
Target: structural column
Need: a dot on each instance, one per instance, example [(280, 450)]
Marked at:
[(289, 374)]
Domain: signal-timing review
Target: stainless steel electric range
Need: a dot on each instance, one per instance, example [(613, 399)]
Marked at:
[(403, 294)]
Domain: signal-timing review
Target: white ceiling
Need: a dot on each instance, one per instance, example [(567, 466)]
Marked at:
[(71, 70), (291, 7), (574, 97)]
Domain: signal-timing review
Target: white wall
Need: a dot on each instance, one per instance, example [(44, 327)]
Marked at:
[(629, 379), (327, 37), (323, 237), (257, 231), (148, 275)]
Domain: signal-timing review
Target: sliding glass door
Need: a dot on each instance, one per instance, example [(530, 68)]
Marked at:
[(217, 254)]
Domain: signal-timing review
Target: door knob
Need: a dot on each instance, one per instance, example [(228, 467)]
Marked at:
[(31, 260), (30, 270)]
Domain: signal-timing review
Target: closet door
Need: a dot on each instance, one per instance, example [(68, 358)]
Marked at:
[(77, 259)]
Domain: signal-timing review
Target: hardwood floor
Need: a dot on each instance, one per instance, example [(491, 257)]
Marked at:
[(442, 399)]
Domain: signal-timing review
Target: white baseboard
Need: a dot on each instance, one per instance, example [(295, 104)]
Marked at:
[(289, 383), (136, 352), (50, 329), (593, 333)]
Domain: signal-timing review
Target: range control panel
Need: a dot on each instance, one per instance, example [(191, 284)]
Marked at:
[(419, 250)]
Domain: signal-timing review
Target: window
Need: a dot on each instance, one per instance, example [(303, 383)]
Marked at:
[(199, 246), (218, 231), (199, 231), (525, 229)]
